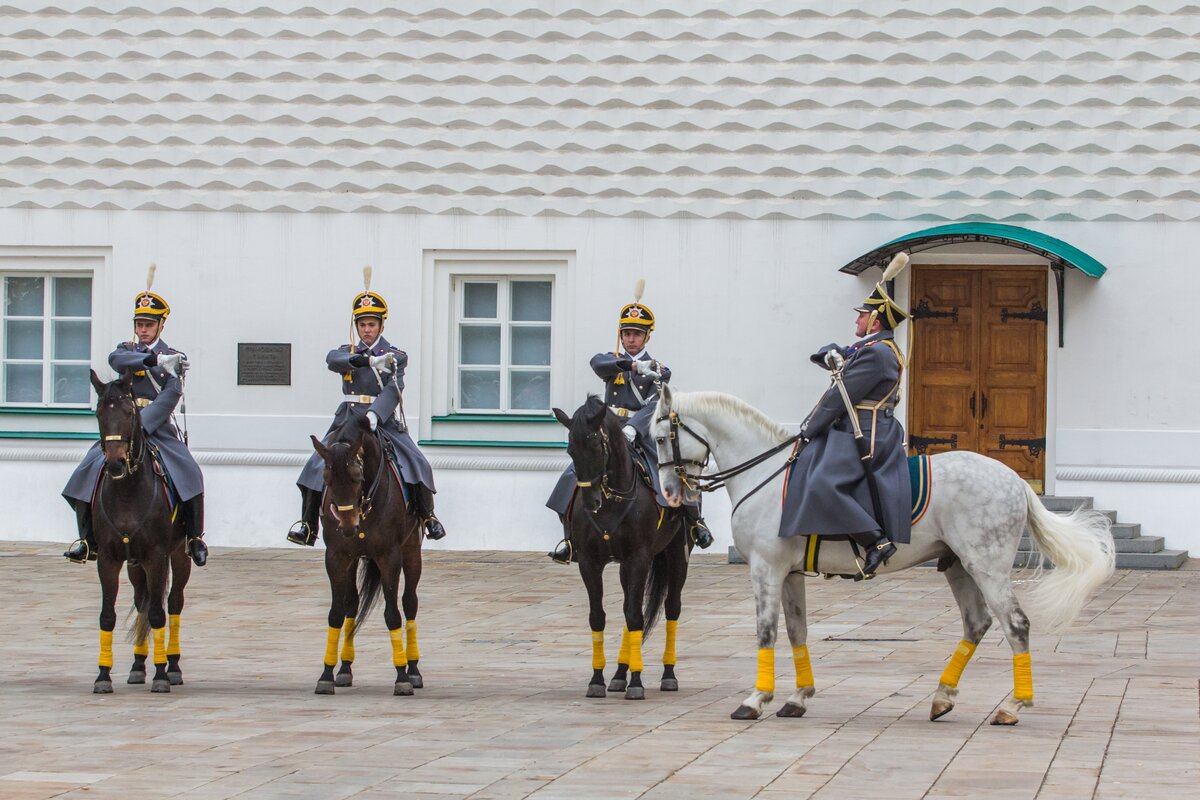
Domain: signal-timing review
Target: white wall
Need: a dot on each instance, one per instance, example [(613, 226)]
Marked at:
[(740, 306)]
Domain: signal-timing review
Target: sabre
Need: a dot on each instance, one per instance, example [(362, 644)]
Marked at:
[(836, 363)]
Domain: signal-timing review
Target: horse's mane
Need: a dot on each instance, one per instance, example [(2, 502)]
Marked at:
[(719, 402), (592, 407)]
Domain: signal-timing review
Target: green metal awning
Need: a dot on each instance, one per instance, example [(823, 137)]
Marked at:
[(1059, 253)]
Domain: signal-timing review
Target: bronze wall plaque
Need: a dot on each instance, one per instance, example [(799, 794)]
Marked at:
[(262, 364)]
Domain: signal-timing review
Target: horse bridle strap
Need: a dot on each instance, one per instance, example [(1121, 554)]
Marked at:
[(602, 479), (715, 480)]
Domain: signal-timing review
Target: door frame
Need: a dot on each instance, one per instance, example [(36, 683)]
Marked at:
[(996, 259)]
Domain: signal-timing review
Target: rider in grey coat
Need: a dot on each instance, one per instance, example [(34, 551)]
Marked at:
[(827, 493), (372, 382), (156, 369), (631, 380)]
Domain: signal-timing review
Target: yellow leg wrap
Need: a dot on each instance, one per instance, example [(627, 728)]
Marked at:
[(598, 661), (958, 662), (399, 659), (106, 649), (410, 628), (348, 639), (173, 635), (669, 645), (141, 648), (331, 643), (804, 676), (623, 655), (160, 645), (635, 651), (766, 670), (1023, 677)]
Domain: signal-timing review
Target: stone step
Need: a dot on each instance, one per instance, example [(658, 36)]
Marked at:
[(1126, 530), (1065, 504), (1140, 544), (1163, 559)]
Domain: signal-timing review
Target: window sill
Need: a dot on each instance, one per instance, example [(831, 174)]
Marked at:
[(55, 412), (84, 435), (491, 443)]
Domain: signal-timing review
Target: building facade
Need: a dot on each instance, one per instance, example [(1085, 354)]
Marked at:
[(510, 169)]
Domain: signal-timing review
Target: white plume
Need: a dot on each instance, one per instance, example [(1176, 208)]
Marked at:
[(367, 278), (899, 262), (150, 275), (639, 289)]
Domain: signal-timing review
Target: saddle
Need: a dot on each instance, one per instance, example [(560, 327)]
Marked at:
[(164, 477)]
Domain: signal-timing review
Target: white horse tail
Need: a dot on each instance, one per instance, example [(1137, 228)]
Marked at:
[(1080, 546)]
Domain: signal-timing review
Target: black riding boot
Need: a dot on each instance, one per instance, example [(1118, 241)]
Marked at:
[(83, 549), (878, 549), (698, 527), (564, 553), (192, 513), (304, 531), (423, 507)]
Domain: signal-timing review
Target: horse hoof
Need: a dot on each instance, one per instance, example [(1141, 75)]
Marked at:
[(416, 680), (402, 690), (324, 687), (596, 690), (744, 712), (669, 685), (635, 693), (616, 686), (137, 677), (160, 686), (791, 710), (940, 709), (176, 678), (343, 679), (1004, 718), (103, 687)]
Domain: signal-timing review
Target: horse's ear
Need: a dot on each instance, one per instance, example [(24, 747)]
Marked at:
[(97, 384), (562, 417), (127, 380), (664, 399), (321, 449)]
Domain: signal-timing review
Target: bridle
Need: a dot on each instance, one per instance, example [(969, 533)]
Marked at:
[(717, 480), (133, 458), (606, 490), (366, 501)]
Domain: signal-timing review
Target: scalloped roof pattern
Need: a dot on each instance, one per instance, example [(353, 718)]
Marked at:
[(917, 109)]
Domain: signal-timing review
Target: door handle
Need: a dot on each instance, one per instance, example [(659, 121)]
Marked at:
[(971, 405), (982, 405)]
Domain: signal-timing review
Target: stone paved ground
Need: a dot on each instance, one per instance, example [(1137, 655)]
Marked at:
[(505, 652)]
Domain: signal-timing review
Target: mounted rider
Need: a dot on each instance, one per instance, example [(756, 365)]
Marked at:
[(155, 366), (631, 383), (830, 481), (372, 384)]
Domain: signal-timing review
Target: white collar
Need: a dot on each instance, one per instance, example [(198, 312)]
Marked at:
[(642, 356), (154, 344)]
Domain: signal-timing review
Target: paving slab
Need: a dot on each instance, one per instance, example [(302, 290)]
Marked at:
[(506, 653)]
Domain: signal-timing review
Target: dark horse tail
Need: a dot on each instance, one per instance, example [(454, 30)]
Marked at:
[(369, 586), (656, 592)]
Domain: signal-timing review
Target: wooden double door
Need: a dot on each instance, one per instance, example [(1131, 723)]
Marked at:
[(978, 372)]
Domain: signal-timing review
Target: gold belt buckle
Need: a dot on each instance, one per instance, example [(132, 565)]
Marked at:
[(621, 412), (142, 402)]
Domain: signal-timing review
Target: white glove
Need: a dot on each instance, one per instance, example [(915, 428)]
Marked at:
[(645, 368), (171, 362), (630, 433), (373, 419), (385, 363)]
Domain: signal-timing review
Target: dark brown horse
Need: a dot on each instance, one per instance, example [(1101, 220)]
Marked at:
[(615, 517), (134, 524), (371, 537)]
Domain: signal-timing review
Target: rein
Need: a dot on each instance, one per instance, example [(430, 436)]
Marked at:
[(131, 467), (718, 480)]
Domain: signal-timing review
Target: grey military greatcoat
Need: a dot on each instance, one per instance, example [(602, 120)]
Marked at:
[(827, 492), (369, 390), (163, 391), (635, 395)]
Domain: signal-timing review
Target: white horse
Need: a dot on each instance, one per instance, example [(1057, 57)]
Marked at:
[(974, 522)]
